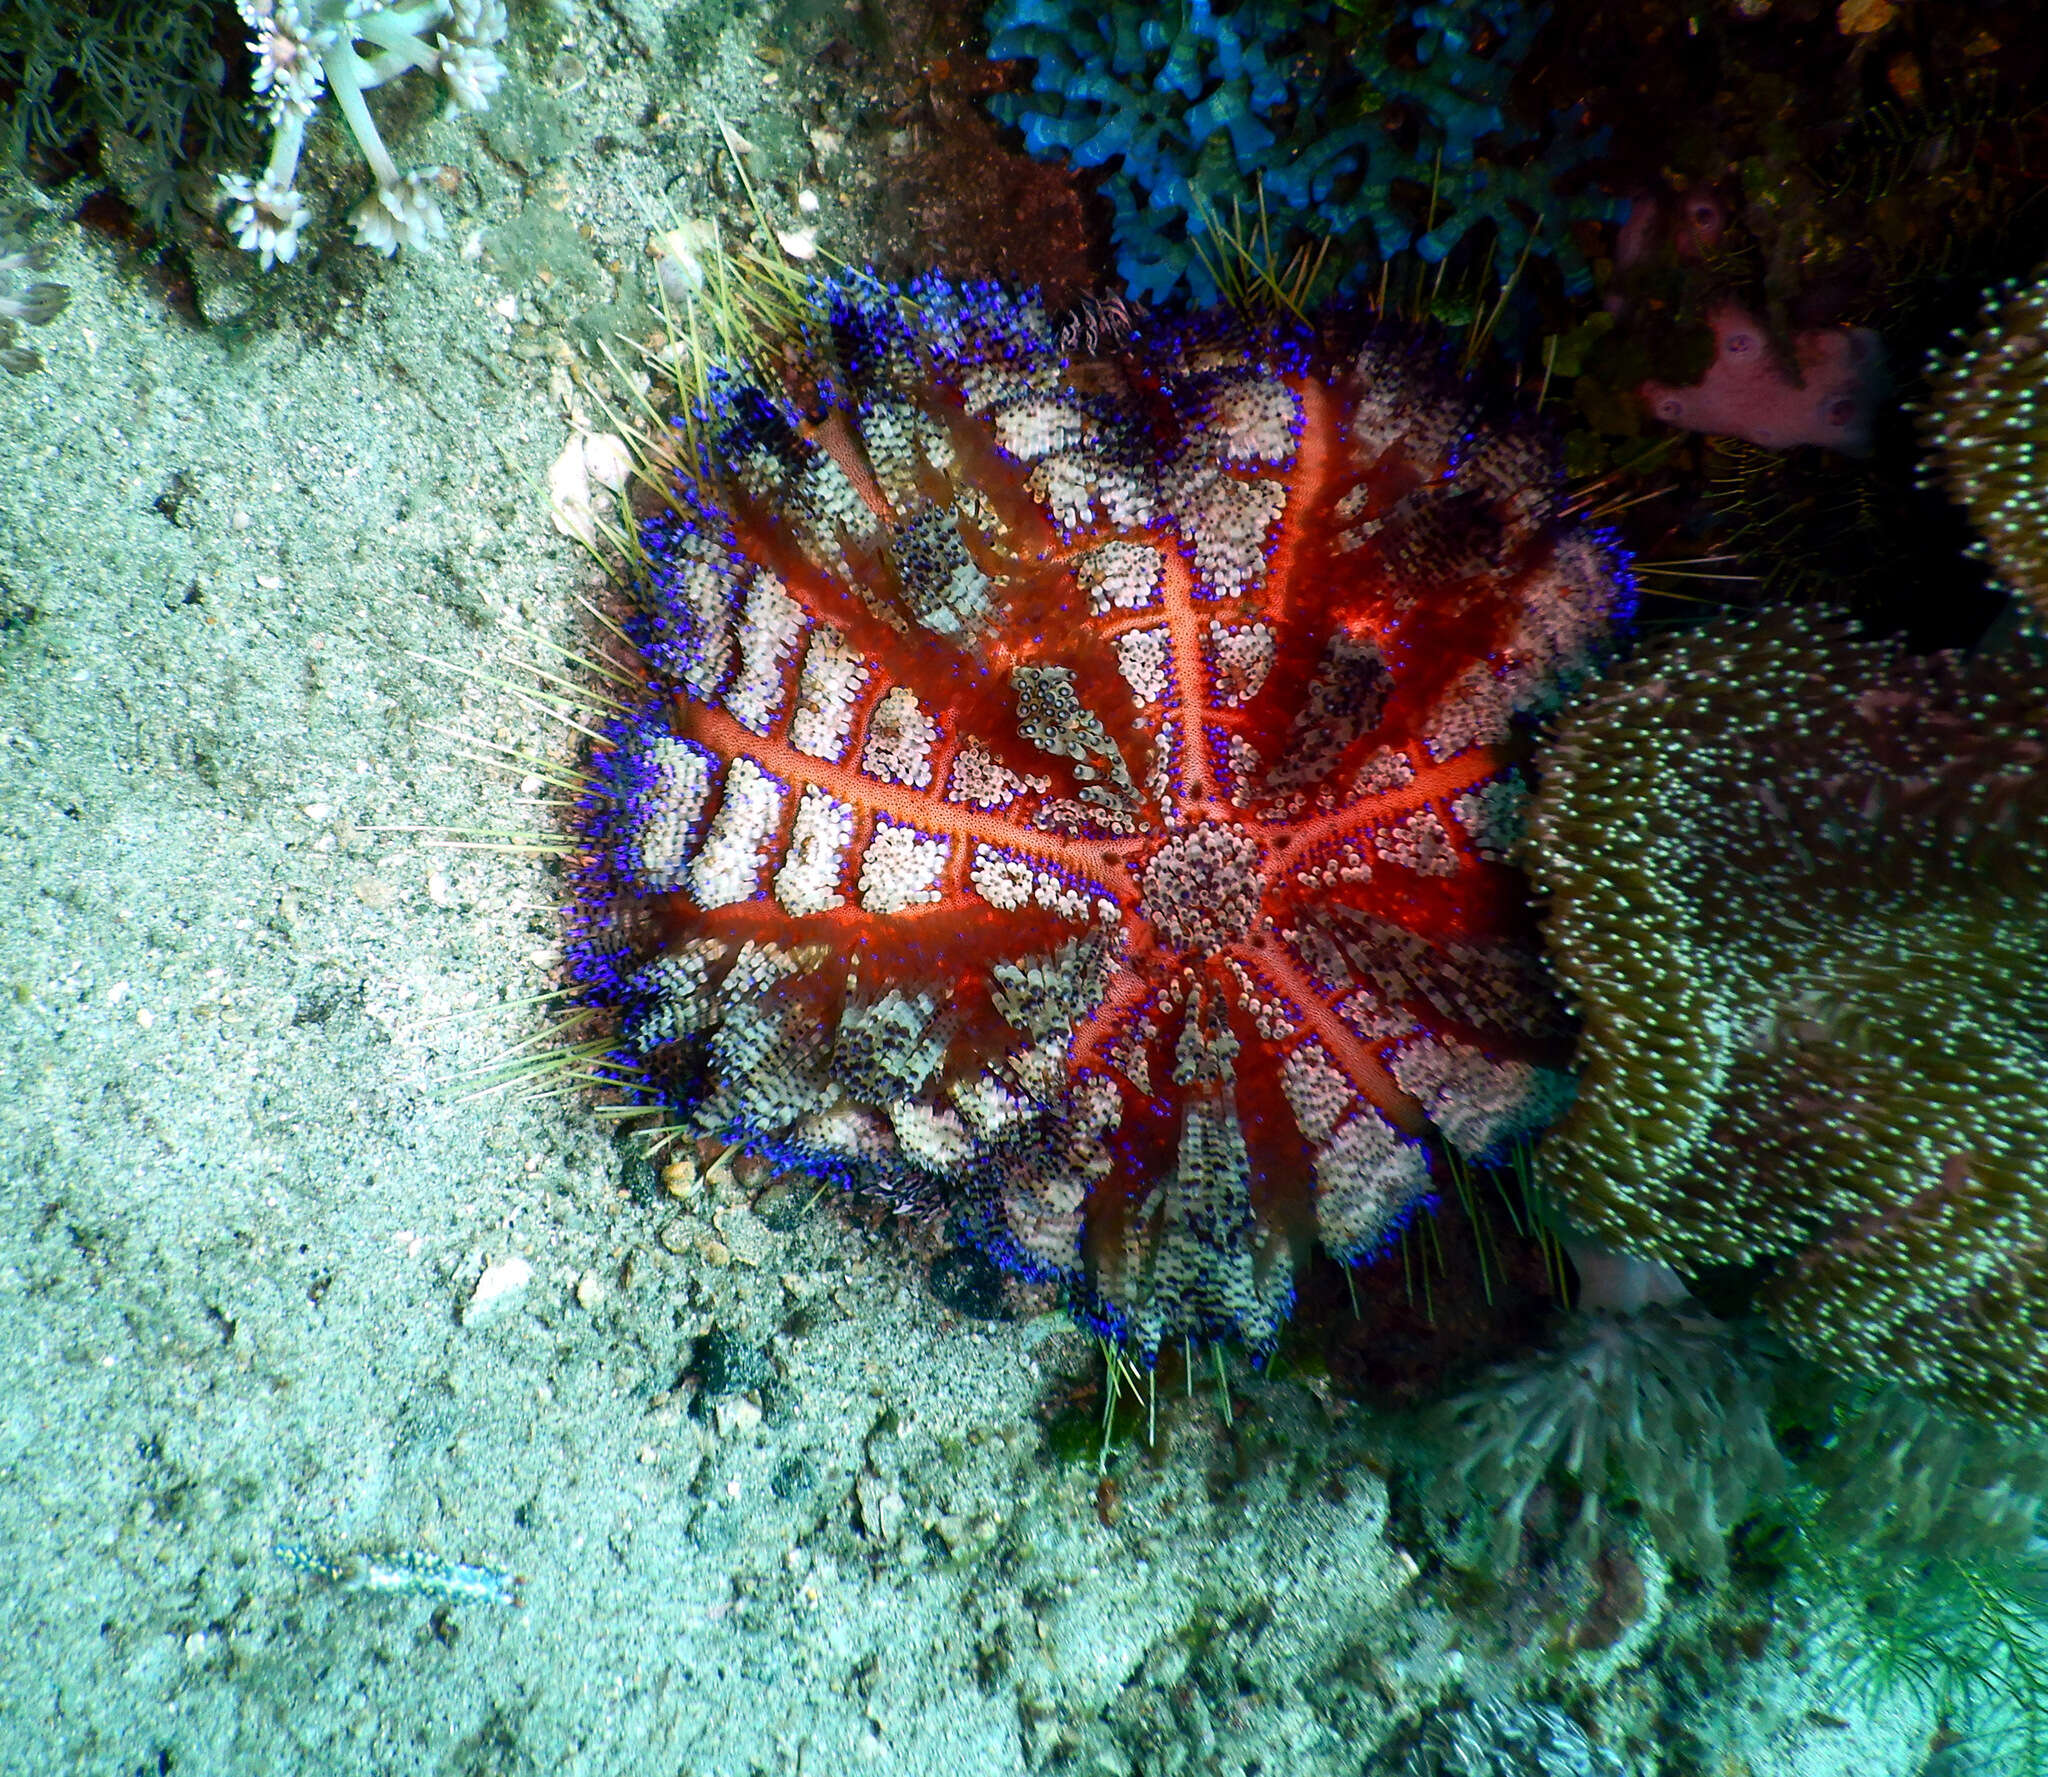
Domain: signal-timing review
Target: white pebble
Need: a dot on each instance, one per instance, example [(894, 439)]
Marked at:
[(736, 1417)]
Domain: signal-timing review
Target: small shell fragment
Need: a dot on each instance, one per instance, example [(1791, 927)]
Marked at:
[(680, 253), (569, 493), (609, 461), (498, 1285), (736, 1417)]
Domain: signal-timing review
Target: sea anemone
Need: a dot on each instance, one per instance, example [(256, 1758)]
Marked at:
[(1497, 1737), (1986, 417), (1795, 886), (346, 47)]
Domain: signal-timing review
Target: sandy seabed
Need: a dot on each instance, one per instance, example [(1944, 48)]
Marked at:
[(777, 1509)]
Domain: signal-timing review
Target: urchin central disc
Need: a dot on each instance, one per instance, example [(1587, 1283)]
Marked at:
[(1202, 888)]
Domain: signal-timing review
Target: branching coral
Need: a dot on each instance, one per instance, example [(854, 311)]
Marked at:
[(1406, 140), (1659, 1407), (1796, 885), (1989, 415), (301, 49)]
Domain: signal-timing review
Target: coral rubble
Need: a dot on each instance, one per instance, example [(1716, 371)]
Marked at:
[(1796, 886), (1075, 792)]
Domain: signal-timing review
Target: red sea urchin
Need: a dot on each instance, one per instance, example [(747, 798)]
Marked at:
[(1074, 789)]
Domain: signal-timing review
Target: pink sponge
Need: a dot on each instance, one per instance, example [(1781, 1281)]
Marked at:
[(1747, 394)]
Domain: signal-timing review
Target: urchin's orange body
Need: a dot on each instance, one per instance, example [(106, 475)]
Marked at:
[(1078, 793)]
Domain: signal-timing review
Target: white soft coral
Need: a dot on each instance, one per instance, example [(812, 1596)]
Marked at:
[(347, 47), (266, 218), (24, 303), (403, 214)]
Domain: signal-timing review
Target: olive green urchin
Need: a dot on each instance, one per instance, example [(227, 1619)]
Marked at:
[(1663, 1407), (1797, 885), (1988, 415), (1498, 1737), (1898, 1475)]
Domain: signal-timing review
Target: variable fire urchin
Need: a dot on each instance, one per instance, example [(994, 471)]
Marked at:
[(1073, 790)]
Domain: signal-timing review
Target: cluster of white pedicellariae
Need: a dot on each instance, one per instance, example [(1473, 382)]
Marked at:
[(345, 47)]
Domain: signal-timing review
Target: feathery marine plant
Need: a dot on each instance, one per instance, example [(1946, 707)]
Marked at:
[(1916, 1554), (1796, 885), (1907, 1539), (143, 78), (346, 47)]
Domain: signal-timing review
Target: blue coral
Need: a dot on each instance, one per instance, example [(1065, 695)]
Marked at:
[(1192, 109)]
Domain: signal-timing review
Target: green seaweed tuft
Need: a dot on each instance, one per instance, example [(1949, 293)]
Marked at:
[(156, 84)]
